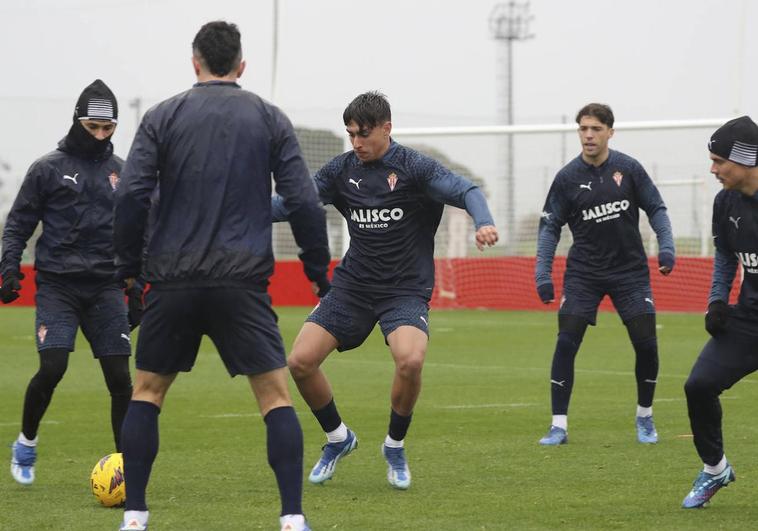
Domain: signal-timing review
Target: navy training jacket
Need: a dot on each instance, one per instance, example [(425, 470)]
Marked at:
[(201, 163), (73, 198)]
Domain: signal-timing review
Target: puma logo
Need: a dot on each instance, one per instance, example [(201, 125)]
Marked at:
[(560, 384), (588, 186), (735, 221), (356, 183), (71, 178)]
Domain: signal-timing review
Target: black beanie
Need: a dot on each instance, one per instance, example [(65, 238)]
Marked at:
[(736, 140), (97, 102)]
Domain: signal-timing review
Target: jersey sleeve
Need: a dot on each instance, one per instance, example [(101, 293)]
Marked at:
[(444, 186), (553, 218), (132, 201), (724, 259), (652, 203), (23, 218), (299, 200)]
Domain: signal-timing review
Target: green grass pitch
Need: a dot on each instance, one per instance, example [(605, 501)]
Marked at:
[(472, 446)]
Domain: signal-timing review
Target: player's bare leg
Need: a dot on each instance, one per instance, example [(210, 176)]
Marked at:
[(408, 346), (312, 346)]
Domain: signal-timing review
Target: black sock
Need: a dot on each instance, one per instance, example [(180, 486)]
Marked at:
[(139, 442), (646, 370), (328, 417), (119, 383), (284, 440), (562, 372), (398, 425)]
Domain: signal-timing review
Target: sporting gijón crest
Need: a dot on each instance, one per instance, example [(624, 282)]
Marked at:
[(618, 177), (114, 178), (392, 180)]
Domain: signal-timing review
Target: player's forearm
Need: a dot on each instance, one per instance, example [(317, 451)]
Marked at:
[(476, 206), (547, 242), (724, 270), (661, 225)]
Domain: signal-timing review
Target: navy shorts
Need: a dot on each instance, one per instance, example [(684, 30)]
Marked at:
[(239, 321), (350, 317), (631, 297), (66, 303)]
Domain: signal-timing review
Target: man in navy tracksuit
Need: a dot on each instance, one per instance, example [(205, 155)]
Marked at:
[(732, 351), (392, 199), (204, 160), (70, 190), (599, 194)]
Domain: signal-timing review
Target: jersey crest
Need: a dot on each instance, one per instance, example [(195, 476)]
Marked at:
[(392, 180), (618, 177)]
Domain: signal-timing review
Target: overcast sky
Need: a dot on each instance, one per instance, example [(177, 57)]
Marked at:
[(435, 59)]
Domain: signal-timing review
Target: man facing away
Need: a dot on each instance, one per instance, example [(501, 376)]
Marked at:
[(211, 152), (732, 351), (392, 198), (70, 190), (599, 195)]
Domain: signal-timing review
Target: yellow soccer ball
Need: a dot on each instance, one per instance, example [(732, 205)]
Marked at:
[(107, 480)]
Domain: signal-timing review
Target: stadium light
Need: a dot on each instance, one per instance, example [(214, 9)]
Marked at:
[(509, 22)]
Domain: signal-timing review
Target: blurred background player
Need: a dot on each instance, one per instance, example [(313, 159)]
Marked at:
[(211, 152), (392, 198), (732, 351), (599, 195), (71, 191)]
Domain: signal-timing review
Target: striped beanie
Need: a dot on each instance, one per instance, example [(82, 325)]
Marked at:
[(97, 102), (736, 140)]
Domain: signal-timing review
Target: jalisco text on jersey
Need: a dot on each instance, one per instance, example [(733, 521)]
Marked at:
[(749, 261), (605, 209), (369, 215)]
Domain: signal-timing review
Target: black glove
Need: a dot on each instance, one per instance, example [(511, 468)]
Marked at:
[(716, 317), (546, 292), (136, 307), (323, 286), (11, 286)]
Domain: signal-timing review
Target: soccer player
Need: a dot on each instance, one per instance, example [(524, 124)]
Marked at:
[(599, 195), (208, 155), (392, 198), (730, 354), (71, 191)]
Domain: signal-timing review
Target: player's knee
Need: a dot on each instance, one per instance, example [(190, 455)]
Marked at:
[(696, 385), (410, 365), (301, 366), (53, 364)]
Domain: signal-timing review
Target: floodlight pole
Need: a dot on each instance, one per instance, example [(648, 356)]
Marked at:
[(508, 22)]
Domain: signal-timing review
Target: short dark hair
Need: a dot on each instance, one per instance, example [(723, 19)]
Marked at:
[(600, 111), (217, 45), (368, 110)]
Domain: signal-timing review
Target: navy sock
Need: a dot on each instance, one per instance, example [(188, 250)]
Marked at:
[(398, 425), (284, 440), (328, 417), (646, 370), (562, 372), (139, 443)]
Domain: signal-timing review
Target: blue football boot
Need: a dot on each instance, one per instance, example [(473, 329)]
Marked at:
[(23, 458), (332, 452), (646, 430), (706, 485), (554, 437), (398, 473)]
